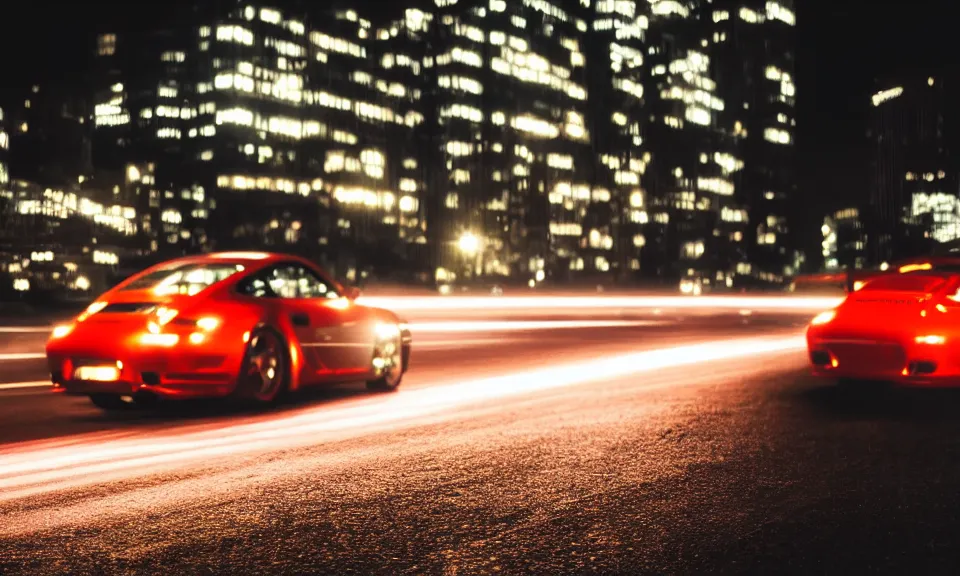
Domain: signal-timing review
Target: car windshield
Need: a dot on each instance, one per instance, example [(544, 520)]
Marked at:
[(186, 279)]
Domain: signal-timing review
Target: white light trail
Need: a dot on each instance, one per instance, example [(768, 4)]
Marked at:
[(451, 327), (521, 325), (561, 303), (22, 385), (22, 356), (565, 304), (36, 468)]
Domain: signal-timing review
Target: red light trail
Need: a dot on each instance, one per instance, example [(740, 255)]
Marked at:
[(37, 468)]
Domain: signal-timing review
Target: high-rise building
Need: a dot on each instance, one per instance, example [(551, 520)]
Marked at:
[(844, 240), (512, 194), (48, 135), (142, 93), (754, 43), (248, 126), (913, 181), (253, 139), (615, 55), (697, 220), (537, 140)]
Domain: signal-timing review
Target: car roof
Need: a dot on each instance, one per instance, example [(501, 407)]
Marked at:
[(264, 258)]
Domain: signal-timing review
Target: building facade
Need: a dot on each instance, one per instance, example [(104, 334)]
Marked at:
[(913, 178), (760, 42), (616, 56), (512, 194), (529, 142), (844, 240)]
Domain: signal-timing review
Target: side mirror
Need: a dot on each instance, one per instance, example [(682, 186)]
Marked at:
[(352, 293)]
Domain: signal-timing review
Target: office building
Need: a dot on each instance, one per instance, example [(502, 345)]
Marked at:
[(755, 40), (844, 240), (696, 222), (511, 194), (913, 178), (248, 127), (615, 51), (530, 142)]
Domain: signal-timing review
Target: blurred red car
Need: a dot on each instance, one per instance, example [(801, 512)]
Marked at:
[(901, 328), (245, 324)]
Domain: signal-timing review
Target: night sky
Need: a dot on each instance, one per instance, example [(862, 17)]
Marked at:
[(843, 46)]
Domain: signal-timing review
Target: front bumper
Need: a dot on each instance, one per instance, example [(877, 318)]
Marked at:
[(172, 373), (905, 363)]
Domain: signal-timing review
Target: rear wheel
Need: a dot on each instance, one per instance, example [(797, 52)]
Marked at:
[(265, 370), (387, 364), (111, 402)]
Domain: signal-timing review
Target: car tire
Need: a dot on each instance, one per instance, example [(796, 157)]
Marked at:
[(110, 402), (265, 372), (387, 364)]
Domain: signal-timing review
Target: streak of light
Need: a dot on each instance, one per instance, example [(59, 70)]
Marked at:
[(28, 470), (21, 385), (453, 326), (22, 356), (511, 325), (419, 346), (602, 302), (568, 304), (459, 327)]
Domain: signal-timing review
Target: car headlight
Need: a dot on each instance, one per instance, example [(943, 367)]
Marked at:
[(387, 331), (61, 331), (823, 318)]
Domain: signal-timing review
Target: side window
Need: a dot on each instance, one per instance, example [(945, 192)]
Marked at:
[(287, 281)]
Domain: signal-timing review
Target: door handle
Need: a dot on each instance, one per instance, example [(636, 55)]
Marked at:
[(300, 320)]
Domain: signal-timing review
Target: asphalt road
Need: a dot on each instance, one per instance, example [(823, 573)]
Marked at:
[(694, 446)]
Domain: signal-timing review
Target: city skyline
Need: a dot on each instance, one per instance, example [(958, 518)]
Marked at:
[(508, 175)]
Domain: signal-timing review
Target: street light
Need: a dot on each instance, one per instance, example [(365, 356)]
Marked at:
[(469, 243)]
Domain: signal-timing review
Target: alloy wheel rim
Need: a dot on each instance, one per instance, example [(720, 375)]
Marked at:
[(265, 369), (390, 365)]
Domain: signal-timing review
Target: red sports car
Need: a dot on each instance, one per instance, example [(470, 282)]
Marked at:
[(245, 324), (901, 328)]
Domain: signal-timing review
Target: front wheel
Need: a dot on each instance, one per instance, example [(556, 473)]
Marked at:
[(387, 364), (265, 370)]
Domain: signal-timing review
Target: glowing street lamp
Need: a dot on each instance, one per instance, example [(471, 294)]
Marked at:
[(469, 243)]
